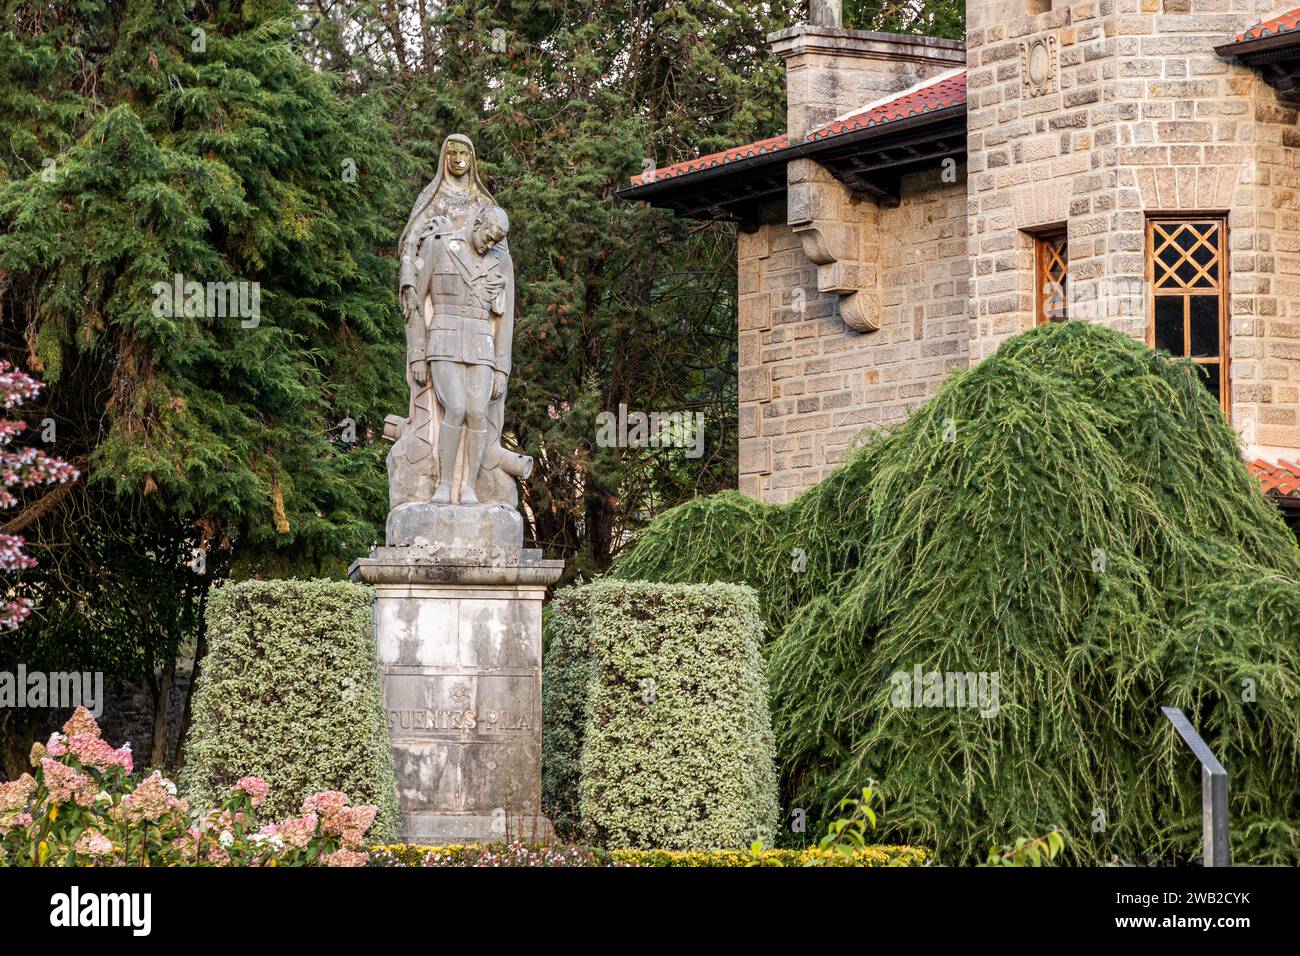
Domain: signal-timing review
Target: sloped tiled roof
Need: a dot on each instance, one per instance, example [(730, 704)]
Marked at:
[(1280, 478), (1285, 23), (935, 94), (770, 145), (940, 92)]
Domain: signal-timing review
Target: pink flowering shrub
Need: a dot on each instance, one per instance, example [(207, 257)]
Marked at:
[(80, 807), (24, 468)]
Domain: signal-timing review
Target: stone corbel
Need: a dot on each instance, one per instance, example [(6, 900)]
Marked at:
[(840, 237), (832, 248)]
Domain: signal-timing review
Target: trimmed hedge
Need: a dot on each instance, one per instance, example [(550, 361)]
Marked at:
[(567, 669), (500, 854), (289, 691), (655, 702)]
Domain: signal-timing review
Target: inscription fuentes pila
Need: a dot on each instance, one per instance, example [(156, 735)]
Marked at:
[(488, 720)]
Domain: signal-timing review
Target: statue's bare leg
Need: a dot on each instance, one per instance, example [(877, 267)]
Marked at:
[(478, 392), (449, 387)]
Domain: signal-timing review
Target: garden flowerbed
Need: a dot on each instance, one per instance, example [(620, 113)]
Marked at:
[(519, 854), (83, 805)]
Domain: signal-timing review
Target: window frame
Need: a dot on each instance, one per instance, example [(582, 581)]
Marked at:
[(1220, 289), (1043, 248)]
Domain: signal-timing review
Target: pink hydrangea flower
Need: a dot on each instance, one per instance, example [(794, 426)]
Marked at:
[(64, 783), (216, 854), (93, 843), (327, 803), (57, 745), (186, 844), (9, 820), (356, 821), (150, 800), (295, 833), (81, 723), (255, 787), (345, 858), (223, 820), (15, 794), (93, 751)]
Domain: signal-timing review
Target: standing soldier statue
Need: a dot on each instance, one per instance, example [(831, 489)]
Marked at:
[(457, 597), (466, 351), (457, 292)]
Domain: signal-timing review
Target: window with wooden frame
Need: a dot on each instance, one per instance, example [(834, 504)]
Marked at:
[(1051, 275), (1187, 269)]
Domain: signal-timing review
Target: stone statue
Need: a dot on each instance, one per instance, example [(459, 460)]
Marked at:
[(458, 599), (457, 291)]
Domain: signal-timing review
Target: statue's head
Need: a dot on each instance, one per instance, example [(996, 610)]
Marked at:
[(459, 154), (490, 227)]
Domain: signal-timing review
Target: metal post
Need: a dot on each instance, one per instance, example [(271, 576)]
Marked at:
[(1214, 791)]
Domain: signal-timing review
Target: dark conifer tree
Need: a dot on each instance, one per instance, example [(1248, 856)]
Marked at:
[(154, 139)]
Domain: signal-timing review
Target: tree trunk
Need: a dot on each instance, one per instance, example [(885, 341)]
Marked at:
[(200, 651), (158, 753), (9, 751)]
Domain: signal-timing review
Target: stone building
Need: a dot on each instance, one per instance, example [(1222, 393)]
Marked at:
[(1132, 162)]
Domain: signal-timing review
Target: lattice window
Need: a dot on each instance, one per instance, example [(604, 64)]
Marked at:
[(1187, 266), (1052, 273)]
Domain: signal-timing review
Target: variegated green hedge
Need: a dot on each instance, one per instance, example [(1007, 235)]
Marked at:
[(289, 691), (655, 709)]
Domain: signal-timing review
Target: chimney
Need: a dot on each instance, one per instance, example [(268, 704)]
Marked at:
[(831, 71)]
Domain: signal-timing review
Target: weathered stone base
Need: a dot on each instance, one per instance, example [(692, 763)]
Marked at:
[(429, 829), (459, 633), (454, 526)]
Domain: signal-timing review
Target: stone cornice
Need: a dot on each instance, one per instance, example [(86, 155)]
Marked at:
[(864, 44)]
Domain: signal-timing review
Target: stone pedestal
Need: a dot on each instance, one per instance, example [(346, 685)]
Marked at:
[(455, 526), (460, 633)]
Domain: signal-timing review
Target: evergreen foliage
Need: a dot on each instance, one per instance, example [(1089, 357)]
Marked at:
[(289, 692), (934, 18), (1073, 514), (170, 137), (657, 716), (567, 672)]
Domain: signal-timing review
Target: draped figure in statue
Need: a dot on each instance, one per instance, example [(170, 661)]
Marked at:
[(457, 292)]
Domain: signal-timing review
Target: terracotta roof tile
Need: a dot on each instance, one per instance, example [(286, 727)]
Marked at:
[(1285, 23), (715, 159), (941, 92), (1281, 478)]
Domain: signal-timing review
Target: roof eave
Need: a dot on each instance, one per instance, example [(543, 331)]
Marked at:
[(802, 150), (1260, 48)]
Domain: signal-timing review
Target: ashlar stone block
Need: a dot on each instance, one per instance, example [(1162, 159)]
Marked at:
[(459, 634)]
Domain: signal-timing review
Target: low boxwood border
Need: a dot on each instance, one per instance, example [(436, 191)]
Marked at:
[(516, 854)]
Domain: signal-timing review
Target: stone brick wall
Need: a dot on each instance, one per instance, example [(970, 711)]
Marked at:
[(1127, 112), (1036, 160), (1139, 115), (1265, 266), (809, 384)]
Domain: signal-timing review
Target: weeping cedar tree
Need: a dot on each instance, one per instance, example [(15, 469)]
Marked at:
[(162, 138), (1073, 515), (619, 302)]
